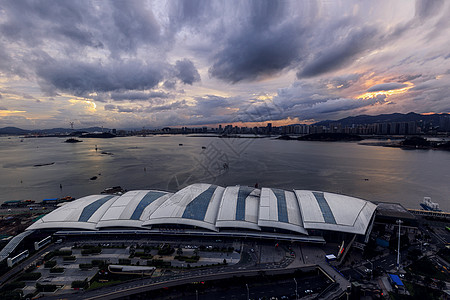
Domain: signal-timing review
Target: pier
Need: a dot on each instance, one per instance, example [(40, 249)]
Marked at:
[(442, 215)]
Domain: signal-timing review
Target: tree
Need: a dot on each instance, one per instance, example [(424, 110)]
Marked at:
[(179, 251)]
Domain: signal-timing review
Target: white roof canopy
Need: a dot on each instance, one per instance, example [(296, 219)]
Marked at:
[(216, 208)]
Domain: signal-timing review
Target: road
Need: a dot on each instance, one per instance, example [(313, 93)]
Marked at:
[(247, 267), (146, 285), (274, 289), (26, 263)]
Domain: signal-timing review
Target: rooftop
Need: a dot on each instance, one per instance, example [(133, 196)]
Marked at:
[(215, 208)]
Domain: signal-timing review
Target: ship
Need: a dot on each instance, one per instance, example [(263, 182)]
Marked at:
[(427, 204)]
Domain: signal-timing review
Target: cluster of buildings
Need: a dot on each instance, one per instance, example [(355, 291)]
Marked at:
[(379, 128), (391, 128)]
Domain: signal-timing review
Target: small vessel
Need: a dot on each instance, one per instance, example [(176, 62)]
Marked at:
[(66, 199), (115, 190), (72, 141), (45, 164), (427, 204)]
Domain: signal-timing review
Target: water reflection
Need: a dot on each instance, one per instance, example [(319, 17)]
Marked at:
[(369, 172)]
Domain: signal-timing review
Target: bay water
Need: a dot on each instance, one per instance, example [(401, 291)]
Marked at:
[(38, 168)]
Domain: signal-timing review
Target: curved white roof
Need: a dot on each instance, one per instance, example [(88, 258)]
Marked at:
[(83, 213), (239, 208), (280, 209), (195, 205), (132, 208), (328, 211), (216, 208)]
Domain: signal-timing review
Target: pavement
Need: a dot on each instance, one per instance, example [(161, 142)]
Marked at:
[(262, 257)]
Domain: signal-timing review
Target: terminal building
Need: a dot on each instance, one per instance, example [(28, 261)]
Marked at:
[(211, 210)]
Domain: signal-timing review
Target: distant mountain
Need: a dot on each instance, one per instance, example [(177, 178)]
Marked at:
[(69, 130), (385, 118), (13, 131), (19, 131)]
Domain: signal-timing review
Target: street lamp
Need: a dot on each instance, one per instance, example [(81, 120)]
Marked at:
[(371, 269), (296, 295), (248, 292), (399, 222)]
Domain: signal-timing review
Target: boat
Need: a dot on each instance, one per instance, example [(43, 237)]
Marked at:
[(72, 141), (427, 204), (45, 164), (66, 199), (115, 190)]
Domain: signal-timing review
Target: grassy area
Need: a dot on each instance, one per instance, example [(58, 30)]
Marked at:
[(418, 292), (427, 268)]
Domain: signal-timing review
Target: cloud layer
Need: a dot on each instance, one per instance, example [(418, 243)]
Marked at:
[(139, 63)]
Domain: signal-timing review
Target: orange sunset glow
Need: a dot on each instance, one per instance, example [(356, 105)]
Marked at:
[(369, 95)]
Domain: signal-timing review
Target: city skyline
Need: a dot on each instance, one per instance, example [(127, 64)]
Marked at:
[(197, 63)]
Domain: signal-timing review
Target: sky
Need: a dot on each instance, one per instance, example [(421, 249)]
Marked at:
[(135, 64)]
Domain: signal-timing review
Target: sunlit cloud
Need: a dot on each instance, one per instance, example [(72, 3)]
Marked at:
[(386, 90), (6, 112), (88, 105)]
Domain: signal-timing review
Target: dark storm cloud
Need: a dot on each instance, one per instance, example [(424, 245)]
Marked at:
[(119, 26), (51, 16), (133, 56), (213, 101), (109, 107), (300, 93), (56, 39), (186, 71), (134, 23), (340, 51), (170, 84), (274, 36), (386, 87), (428, 8), (338, 105), (137, 95), (81, 78), (172, 106), (125, 78), (255, 55), (5, 60), (125, 109), (265, 44), (190, 13), (405, 78), (151, 108), (342, 82)]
